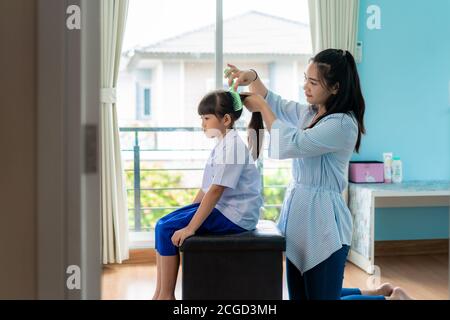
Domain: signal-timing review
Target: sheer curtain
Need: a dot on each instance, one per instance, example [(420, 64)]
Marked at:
[(334, 24), (114, 205)]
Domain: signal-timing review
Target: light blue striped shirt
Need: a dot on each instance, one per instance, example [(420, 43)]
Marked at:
[(314, 217)]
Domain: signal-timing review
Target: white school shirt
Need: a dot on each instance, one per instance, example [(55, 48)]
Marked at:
[(314, 218), (231, 165)]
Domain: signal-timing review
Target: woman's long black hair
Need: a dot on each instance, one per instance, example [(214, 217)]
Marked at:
[(337, 69), (220, 103)]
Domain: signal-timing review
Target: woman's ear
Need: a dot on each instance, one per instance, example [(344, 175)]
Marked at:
[(335, 89)]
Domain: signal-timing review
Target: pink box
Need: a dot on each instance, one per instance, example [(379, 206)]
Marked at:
[(366, 172)]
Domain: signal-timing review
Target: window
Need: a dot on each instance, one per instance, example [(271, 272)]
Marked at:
[(211, 84), (143, 101), (274, 39), (168, 67), (147, 102)]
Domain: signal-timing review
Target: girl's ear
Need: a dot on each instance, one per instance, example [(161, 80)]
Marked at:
[(226, 120)]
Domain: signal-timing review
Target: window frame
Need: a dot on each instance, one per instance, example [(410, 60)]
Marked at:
[(145, 239)]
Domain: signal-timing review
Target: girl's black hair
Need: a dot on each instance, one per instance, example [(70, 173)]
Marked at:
[(337, 69), (220, 103)]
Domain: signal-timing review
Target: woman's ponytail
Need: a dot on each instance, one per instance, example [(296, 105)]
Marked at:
[(359, 107), (255, 132)]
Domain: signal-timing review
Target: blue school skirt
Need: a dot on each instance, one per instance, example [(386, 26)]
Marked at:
[(215, 223)]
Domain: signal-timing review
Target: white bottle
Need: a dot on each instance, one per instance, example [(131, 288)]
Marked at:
[(397, 170), (387, 158)]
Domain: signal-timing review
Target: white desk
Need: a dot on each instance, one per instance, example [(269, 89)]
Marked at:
[(364, 198)]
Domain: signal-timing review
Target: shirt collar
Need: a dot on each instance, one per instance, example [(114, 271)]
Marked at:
[(227, 139)]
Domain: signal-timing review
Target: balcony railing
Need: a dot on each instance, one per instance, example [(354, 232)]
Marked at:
[(136, 148)]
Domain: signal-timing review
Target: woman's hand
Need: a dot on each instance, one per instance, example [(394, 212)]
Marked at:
[(243, 77), (180, 235), (254, 102)]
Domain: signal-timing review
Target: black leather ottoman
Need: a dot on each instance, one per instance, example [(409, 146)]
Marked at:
[(242, 266)]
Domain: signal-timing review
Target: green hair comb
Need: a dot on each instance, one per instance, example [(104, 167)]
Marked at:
[(237, 102)]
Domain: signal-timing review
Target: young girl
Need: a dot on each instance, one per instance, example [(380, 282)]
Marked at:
[(230, 197)]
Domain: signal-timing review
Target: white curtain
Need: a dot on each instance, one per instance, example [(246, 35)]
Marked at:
[(114, 204), (333, 24)]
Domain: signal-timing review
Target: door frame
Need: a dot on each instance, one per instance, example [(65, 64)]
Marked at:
[(68, 177)]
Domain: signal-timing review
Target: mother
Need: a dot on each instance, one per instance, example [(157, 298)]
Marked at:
[(320, 138)]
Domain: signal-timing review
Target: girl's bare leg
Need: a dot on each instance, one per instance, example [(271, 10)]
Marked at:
[(169, 273), (158, 277)]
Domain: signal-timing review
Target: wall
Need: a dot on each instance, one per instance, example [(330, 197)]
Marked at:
[(405, 75), (18, 149)]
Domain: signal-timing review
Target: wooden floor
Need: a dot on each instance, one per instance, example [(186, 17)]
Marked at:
[(423, 277)]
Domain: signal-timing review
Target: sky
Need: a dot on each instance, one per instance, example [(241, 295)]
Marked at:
[(152, 20)]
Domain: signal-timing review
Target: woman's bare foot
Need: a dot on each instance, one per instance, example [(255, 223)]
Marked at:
[(384, 290), (399, 294)]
